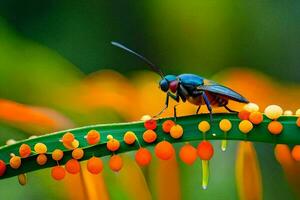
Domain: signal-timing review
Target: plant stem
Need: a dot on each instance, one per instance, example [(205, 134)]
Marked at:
[(290, 135)]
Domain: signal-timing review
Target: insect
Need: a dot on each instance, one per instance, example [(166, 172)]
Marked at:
[(192, 88)]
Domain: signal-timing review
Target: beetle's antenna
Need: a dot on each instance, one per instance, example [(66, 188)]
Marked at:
[(151, 65)]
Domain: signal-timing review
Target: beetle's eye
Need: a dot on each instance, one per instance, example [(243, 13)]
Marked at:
[(164, 86)]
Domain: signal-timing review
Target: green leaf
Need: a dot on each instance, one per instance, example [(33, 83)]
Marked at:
[(290, 135)]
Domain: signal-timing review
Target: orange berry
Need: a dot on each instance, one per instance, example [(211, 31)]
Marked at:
[(296, 153), (95, 165), (113, 145), (72, 166), (129, 137), (256, 117), (2, 168), (115, 163), (57, 154), (275, 127), (164, 150), (245, 126), (298, 122), (188, 154), (283, 154), (93, 137), (74, 144), (204, 126), (149, 136), (150, 124), (58, 173), (143, 157), (15, 162), (40, 148), (225, 125), (205, 150), (176, 131), (41, 159), (167, 125), (77, 153), (244, 115), (68, 138), (24, 150)]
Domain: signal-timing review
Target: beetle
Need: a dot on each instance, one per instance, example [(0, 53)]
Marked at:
[(192, 88)]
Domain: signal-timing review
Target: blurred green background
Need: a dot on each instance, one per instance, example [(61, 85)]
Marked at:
[(198, 36), (47, 47)]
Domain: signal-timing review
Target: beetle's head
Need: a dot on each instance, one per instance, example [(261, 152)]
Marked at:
[(169, 82)]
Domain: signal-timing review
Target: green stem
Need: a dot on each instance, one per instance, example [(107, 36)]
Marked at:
[(290, 135)]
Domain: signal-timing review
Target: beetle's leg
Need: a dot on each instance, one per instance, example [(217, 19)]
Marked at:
[(197, 92), (198, 109), (208, 107), (166, 106), (227, 108), (175, 97), (175, 113)]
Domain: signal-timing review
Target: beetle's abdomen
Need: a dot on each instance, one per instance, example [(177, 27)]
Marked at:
[(214, 99), (196, 100)]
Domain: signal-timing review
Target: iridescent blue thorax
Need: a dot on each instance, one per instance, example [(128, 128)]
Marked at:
[(190, 79)]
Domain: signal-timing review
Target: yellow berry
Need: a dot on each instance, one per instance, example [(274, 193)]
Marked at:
[(176, 131), (146, 117), (41, 159), (40, 148), (251, 107), (75, 144), (129, 137), (15, 162), (109, 137), (225, 125), (273, 112), (10, 142), (245, 126), (297, 113), (204, 126), (57, 154), (77, 153), (288, 113)]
